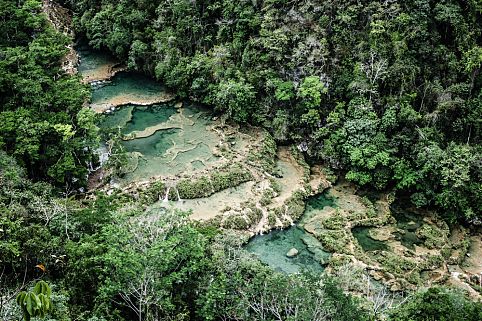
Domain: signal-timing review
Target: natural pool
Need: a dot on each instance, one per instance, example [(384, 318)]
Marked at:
[(148, 116), (162, 137), (166, 138), (272, 248), (362, 235), (316, 204), (132, 118), (94, 65), (128, 88), (407, 223), (163, 140)]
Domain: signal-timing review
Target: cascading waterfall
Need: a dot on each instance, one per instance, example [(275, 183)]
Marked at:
[(178, 196), (166, 198), (103, 155)]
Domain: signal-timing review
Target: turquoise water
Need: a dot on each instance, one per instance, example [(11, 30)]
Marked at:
[(272, 247), (127, 84), (316, 203), (176, 140), (407, 223), (362, 234), (153, 146), (147, 116), (117, 120), (186, 147), (137, 118), (92, 59)]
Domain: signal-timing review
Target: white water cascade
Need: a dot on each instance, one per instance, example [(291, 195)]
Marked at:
[(166, 196)]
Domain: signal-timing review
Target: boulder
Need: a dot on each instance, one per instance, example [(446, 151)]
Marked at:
[(292, 253), (178, 105)]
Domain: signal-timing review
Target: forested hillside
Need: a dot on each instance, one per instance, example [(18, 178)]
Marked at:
[(42, 123), (389, 92)]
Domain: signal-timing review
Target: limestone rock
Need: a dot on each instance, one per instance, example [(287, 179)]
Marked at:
[(376, 275), (395, 287), (382, 234), (178, 105), (292, 253)]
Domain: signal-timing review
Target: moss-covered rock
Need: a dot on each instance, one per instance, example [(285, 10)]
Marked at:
[(229, 177), (266, 197), (395, 264), (338, 221), (295, 206), (433, 236), (189, 188), (152, 193), (337, 241), (236, 222), (265, 155), (219, 180)]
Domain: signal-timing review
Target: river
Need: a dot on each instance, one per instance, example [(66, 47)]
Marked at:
[(183, 144)]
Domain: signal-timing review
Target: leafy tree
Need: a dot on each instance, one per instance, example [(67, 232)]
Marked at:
[(39, 103), (36, 303), (438, 303), (414, 64), (310, 91), (235, 98)]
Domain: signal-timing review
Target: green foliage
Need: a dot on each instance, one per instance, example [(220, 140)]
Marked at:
[(41, 122), (189, 189), (244, 289), (310, 91), (284, 90), (366, 88), (438, 303), (229, 177), (236, 222), (433, 236), (389, 93), (219, 180), (235, 99), (36, 303), (266, 155), (28, 212)]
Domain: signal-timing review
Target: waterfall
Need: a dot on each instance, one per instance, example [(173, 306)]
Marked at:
[(91, 167), (166, 198), (103, 155), (178, 197)]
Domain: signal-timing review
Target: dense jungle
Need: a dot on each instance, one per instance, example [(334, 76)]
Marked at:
[(240, 160)]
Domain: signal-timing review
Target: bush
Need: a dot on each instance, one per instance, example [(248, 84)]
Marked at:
[(438, 303)]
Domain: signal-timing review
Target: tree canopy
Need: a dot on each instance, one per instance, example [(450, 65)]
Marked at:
[(382, 91), (42, 122)]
